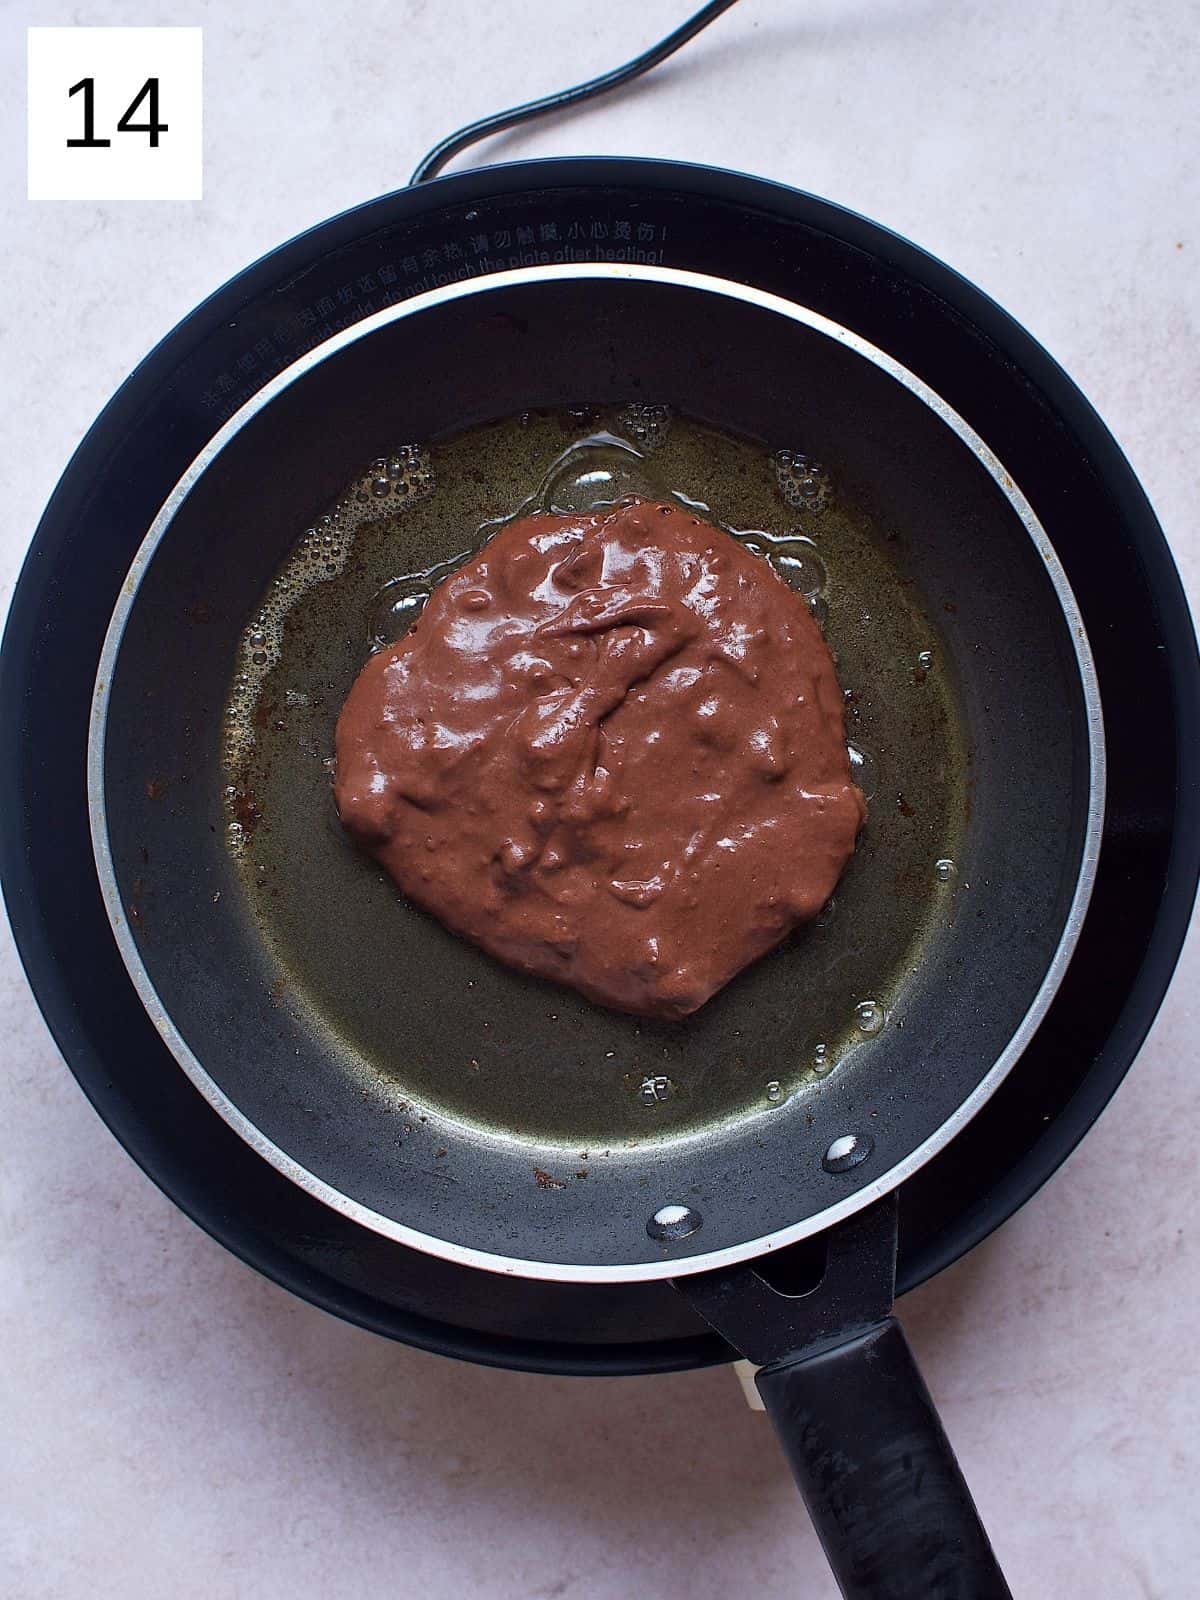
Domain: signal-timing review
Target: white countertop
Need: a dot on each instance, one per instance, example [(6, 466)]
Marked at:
[(176, 1425)]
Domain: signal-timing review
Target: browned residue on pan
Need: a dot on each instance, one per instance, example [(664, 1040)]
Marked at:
[(247, 810)]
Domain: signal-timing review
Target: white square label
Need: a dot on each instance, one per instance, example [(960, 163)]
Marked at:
[(115, 114)]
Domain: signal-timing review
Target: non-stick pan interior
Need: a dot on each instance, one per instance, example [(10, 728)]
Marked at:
[(407, 1077)]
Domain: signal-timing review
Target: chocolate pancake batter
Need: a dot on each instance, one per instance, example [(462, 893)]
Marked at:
[(610, 751)]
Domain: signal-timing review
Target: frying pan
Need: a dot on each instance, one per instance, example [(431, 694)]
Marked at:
[(434, 1098), (780, 317)]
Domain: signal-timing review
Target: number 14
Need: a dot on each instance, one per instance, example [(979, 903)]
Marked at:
[(148, 91)]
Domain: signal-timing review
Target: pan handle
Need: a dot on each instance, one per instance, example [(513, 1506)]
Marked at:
[(858, 1426), (878, 1474)]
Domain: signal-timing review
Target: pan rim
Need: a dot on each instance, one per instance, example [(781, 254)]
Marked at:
[(465, 1255)]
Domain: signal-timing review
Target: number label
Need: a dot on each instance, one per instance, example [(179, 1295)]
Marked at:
[(125, 124), (115, 114)]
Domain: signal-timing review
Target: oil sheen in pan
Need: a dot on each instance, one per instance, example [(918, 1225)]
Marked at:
[(396, 996)]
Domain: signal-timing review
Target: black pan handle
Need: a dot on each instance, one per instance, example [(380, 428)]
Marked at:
[(858, 1426), (878, 1474)]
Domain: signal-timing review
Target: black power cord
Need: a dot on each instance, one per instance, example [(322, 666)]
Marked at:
[(449, 147)]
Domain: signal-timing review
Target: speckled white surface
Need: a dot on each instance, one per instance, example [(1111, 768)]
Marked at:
[(175, 1425)]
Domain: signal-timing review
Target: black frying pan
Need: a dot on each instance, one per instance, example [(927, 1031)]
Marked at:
[(451, 1105)]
